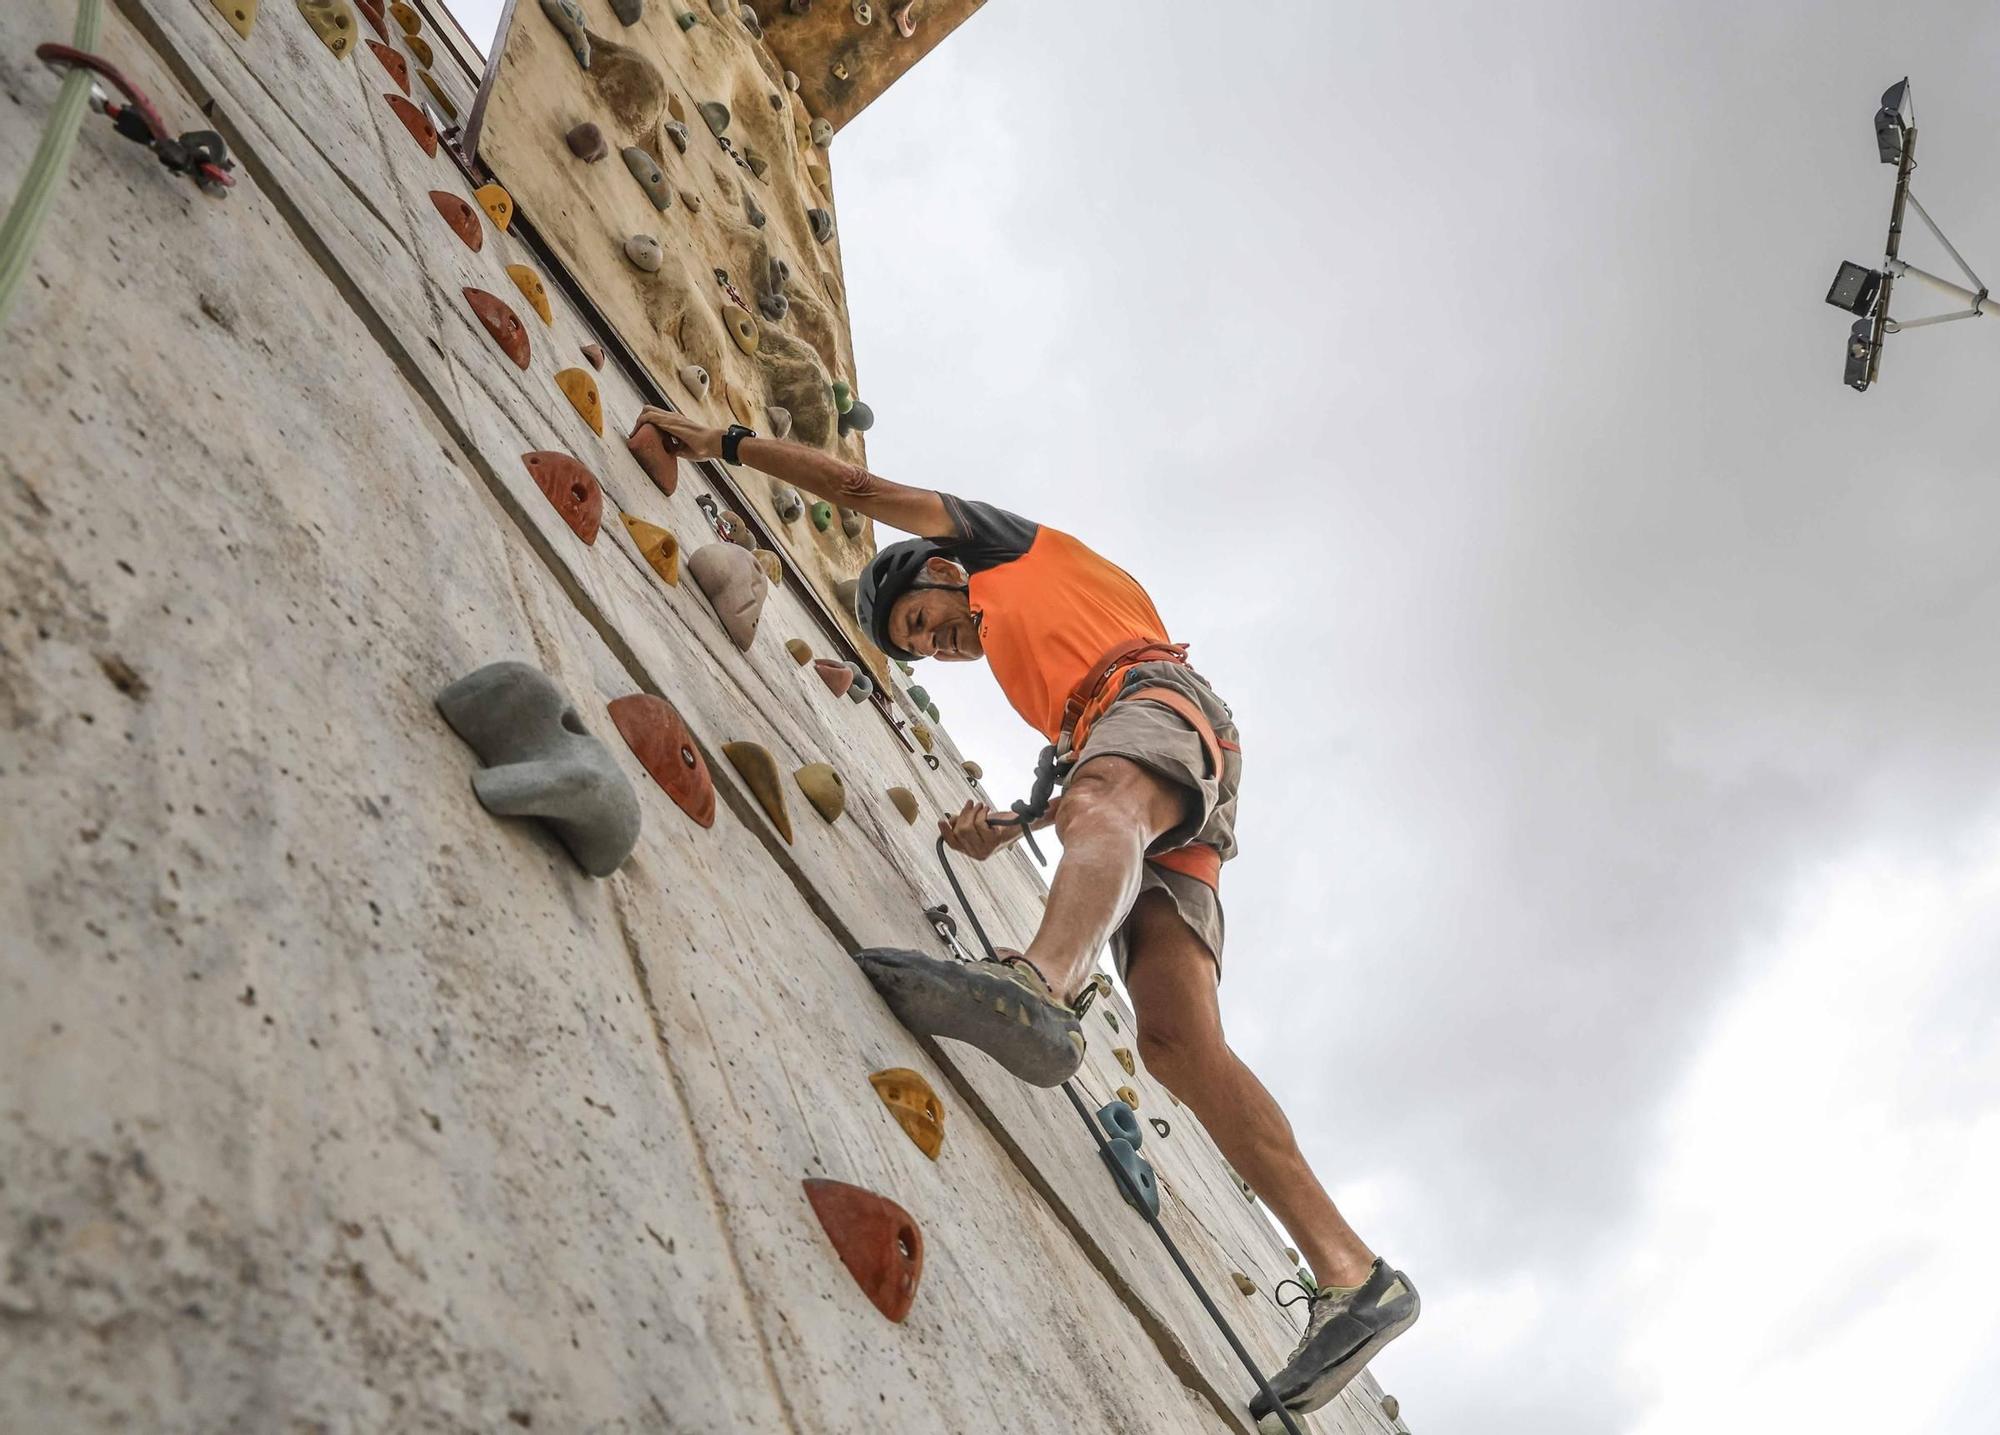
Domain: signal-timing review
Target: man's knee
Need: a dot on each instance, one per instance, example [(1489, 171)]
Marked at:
[(1179, 1052), (1117, 792)]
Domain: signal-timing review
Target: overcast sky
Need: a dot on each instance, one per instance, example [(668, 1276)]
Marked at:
[(1620, 886)]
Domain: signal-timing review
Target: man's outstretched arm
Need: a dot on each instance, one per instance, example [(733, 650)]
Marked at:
[(914, 510)]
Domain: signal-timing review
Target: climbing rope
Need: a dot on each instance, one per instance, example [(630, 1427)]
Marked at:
[(1126, 1182)]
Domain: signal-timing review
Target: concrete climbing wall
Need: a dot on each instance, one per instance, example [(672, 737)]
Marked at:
[(329, 1101), (685, 263)]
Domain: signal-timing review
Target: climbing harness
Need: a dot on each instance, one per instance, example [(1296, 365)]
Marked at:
[(1128, 1185), (199, 154)]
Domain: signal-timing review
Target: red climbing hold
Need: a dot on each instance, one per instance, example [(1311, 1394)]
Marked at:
[(571, 487), (837, 676), (416, 122), (878, 1241), (594, 353), (372, 9), (665, 748), (649, 446), (502, 323), (460, 215), (395, 64)]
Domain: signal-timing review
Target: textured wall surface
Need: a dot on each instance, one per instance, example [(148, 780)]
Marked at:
[(329, 1101)]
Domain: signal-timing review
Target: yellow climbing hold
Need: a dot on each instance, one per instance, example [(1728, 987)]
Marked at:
[(742, 328), (530, 285), (1243, 1283), (1123, 1053), (420, 49), (241, 14), (922, 734), (437, 90), (660, 549), (498, 204), (1130, 1097), (406, 17), (581, 390), (823, 789), (333, 21), (915, 1105), (906, 802), (773, 569), (800, 650), (760, 774)]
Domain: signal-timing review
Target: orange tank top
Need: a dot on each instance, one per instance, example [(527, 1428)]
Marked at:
[(1046, 617)]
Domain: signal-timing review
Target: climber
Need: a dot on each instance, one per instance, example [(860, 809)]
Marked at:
[(1150, 763)]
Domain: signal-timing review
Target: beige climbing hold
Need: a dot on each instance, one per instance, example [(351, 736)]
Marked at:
[(823, 789), (643, 252), (1123, 1053), (691, 200), (241, 14), (915, 1106), (581, 390), (781, 422), (821, 133), (1243, 1283), (1391, 1406), (905, 802), (742, 328), (773, 568), (759, 772), (694, 378), (333, 21), (973, 770), (660, 549), (800, 650), (922, 734), (676, 109), (1130, 1097), (498, 204), (734, 585), (733, 529), (530, 285), (1291, 1255), (852, 523), (822, 181)]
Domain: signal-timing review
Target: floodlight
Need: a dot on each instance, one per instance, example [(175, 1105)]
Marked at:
[(1860, 351), (1854, 288), (1890, 122)]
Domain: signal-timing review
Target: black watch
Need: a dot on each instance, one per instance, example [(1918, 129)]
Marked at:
[(731, 437)]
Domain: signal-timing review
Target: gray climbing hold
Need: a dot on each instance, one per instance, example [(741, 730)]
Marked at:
[(647, 171), (851, 523), (1120, 1155), (773, 306), (586, 142), (540, 761), (644, 252), (799, 7), (858, 419), (777, 274), (715, 114), (567, 16), (787, 502), (678, 133), (777, 100), (1391, 1406), (822, 133), (844, 590), (757, 163), (751, 22), (687, 19), (721, 8), (628, 11), (791, 81), (864, 686), (750, 210), (780, 420), (821, 221), (864, 13)]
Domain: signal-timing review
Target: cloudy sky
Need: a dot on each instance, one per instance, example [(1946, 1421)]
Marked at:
[(1621, 876)]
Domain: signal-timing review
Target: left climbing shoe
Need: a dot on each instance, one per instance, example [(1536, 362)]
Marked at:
[(1344, 1329), (1003, 1008)]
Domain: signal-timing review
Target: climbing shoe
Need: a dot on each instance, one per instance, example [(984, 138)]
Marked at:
[(1345, 1326), (1003, 1008)]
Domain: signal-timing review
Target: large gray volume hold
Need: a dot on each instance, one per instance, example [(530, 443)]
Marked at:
[(541, 762)]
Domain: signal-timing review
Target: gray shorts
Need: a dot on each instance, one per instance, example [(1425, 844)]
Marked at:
[(1161, 741)]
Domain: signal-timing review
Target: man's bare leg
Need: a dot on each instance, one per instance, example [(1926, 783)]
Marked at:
[(1172, 980), (1112, 810)]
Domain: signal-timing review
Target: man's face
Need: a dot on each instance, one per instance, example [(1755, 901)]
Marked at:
[(935, 623)]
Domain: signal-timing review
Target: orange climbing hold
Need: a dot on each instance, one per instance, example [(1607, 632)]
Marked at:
[(581, 390), (915, 1106), (759, 771), (666, 749), (395, 64), (416, 122), (657, 546), (463, 219), (502, 323), (498, 204), (530, 285), (571, 487), (800, 650), (876, 1239)]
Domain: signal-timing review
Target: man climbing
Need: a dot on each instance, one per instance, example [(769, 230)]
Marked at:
[(1150, 765)]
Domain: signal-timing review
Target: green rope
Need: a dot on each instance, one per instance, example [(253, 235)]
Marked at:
[(37, 193)]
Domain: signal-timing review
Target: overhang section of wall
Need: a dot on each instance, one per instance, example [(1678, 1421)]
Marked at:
[(649, 628)]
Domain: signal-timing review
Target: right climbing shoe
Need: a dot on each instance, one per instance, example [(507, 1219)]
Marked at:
[(1003, 1008), (1344, 1329)]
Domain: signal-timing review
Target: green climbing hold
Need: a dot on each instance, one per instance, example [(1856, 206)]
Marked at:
[(822, 515), (921, 698), (843, 396)]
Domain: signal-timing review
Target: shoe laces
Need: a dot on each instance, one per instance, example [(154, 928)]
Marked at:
[(1321, 1307)]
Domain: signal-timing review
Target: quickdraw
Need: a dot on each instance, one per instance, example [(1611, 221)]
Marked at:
[(201, 155)]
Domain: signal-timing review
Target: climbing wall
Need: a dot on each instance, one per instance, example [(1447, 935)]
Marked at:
[(330, 1099), (664, 155)]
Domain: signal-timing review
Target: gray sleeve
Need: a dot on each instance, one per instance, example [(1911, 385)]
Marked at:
[(987, 536)]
